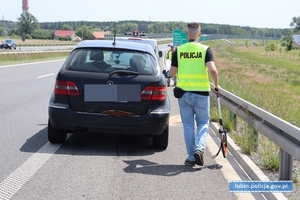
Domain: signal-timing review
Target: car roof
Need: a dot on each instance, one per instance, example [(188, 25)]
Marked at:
[(151, 42), (136, 38), (118, 44)]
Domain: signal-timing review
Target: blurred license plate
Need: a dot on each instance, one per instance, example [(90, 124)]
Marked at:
[(97, 92)]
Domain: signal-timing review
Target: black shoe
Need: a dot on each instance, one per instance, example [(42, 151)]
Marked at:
[(189, 163), (198, 155), (168, 85)]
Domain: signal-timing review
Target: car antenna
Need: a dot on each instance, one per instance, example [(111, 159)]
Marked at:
[(114, 43)]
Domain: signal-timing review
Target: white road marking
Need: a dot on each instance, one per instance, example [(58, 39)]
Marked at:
[(33, 63), (45, 75), (20, 176), (227, 169)]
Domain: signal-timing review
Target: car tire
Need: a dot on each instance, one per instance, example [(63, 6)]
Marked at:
[(161, 141), (55, 135)]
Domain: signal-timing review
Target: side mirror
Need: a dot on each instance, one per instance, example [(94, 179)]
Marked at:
[(160, 53)]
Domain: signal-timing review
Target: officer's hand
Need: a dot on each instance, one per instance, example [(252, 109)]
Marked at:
[(166, 73), (217, 90)]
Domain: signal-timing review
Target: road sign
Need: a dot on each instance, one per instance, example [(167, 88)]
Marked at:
[(179, 37), (203, 38), (135, 33)]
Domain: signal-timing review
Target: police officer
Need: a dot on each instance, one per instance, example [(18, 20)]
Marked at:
[(194, 63), (169, 57)]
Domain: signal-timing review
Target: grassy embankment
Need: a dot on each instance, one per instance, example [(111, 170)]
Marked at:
[(269, 80)]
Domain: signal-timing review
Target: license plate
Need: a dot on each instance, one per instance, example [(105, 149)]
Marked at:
[(118, 93)]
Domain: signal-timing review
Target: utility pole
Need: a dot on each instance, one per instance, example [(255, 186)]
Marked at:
[(3, 20)]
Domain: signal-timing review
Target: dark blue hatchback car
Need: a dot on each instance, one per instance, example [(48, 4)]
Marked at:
[(110, 87)]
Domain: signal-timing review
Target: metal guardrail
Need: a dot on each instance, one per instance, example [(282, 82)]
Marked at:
[(282, 133)]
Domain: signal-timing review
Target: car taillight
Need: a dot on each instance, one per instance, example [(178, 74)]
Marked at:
[(156, 93), (66, 88)]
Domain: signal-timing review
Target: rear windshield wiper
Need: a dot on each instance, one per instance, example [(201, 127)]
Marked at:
[(123, 72)]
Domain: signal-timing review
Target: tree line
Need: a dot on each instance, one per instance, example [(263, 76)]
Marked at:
[(29, 26)]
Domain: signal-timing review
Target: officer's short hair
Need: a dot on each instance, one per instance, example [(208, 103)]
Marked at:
[(193, 27)]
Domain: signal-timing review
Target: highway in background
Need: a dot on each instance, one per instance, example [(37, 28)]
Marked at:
[(52, 48)]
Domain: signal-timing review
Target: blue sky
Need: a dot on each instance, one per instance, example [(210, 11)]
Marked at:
[(253, 13)]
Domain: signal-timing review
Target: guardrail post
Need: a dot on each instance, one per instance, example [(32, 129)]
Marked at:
[(255, 132), (286, 166), (234, 118)]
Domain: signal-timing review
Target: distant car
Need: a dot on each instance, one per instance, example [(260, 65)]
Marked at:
[(107, 87), (128, 33), (9, 44), (151, 42), (143, 34)]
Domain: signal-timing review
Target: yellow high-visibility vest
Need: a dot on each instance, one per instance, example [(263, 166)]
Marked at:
[(170, 55), (192, 71)]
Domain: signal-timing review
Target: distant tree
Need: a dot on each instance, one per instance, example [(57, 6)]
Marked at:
[(27, 23), (161, 27), (124, 27), (85, 32), (295, 23), (209, 29), (12, 32), (42, 34), (27, 36), (247, 43), (66, 27), (289, 43), (2, 31)]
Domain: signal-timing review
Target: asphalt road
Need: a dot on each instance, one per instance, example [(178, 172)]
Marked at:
[(89, 166)]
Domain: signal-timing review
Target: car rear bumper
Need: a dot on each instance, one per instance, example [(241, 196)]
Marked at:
[(6, 46), (152, 123)]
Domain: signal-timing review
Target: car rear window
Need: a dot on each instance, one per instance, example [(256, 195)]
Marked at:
[(109, 60)]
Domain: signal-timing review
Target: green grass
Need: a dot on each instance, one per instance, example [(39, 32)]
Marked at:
[(269, 154), (269, 80), (296, 177), (245, 139), (276, 94), (228, 121), (10, 59)]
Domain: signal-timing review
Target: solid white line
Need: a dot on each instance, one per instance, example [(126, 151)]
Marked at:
[(227, 169), (18, 178), (32, 63), (45, 75)]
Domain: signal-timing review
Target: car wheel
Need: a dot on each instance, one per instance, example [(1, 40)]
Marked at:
[(161, 141), (55, 135)]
